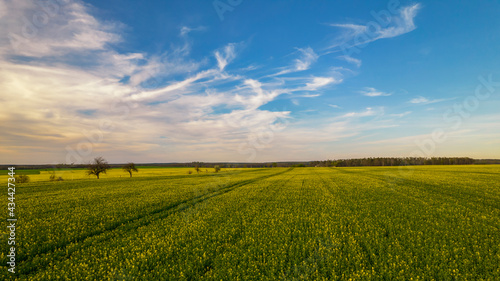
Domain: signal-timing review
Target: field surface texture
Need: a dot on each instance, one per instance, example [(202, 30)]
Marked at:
[(369, 223)]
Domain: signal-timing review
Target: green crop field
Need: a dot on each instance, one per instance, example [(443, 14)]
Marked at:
[(367, 223)]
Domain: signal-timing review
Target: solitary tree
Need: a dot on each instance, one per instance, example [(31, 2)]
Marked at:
[(100, 165), (197, 168), (129, 168), (217, 168)]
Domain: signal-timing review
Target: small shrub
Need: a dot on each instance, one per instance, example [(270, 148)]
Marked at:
[(54, 178), (190, 172), (22, 179)]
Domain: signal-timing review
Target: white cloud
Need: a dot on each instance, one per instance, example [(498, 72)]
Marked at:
[(320, 82), (307, 58), (372, 92), (401, 114), (356, 34), (349, 59), (171, 89), (402, 24), (355, 28), (307, 95), (423, 100), (163, 66), (369, 111), (419, 100), (186, 30), (226, 55), (334, 106), (261, 96), (68, 29)]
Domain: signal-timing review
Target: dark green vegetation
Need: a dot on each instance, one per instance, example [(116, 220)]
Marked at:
[(370, 223), (393, 161), (22, 172)]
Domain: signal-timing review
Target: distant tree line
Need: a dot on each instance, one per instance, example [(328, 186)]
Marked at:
[(379, 161), (487, 161)]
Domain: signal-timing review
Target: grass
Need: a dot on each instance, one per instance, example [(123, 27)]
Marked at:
[(369, 223)]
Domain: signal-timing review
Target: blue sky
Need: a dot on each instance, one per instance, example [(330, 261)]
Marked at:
[(243, 81)]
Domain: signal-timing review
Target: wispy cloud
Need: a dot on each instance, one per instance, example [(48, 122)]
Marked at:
[(399, 24), (186, 30), (261, 96), (349, 59), (308, 57), (334, 106), (319, 82), (369, 111), (75, 30), (423, 100), (419, 100), (400, 114), (171, 89), (402, 24), (372, 92), (226, 55)]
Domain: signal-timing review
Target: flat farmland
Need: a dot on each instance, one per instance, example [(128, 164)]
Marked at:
[(367, 223), (37, 175)]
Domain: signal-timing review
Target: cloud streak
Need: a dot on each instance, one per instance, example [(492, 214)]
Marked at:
[(349, 59), (423, 100), (369, 111), (372, 92), (357, 34)]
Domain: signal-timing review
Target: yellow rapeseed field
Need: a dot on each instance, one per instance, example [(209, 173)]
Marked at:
[(367, 223)]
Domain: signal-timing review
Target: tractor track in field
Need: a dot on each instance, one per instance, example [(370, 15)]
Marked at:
[(273, 191), (351, 208), (132, 223), (202, 272)]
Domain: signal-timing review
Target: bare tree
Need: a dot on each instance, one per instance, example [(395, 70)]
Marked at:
[(129, 168), (100, 165)]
